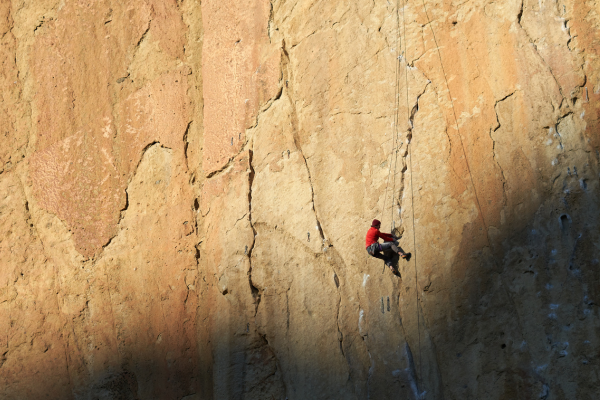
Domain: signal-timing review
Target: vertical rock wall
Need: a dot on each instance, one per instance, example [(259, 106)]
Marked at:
[(185, 187)]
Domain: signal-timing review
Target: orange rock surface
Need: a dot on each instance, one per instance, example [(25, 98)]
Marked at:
[(185, 187)]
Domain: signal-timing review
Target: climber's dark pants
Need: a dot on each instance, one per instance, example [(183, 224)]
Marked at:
[(376, 250), (390, 245)]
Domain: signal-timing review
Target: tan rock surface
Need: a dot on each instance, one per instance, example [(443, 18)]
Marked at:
[(185, 187)]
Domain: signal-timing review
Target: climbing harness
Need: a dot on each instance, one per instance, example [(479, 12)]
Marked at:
[(374, 248)]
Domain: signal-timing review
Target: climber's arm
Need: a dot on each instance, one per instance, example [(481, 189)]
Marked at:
[(387, 237)]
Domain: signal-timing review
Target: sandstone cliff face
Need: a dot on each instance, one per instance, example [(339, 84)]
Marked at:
[(185, 187)]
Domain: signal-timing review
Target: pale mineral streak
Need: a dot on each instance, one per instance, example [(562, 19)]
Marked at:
[(185, 187)]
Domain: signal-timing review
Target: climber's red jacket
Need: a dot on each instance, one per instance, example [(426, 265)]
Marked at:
[(373, 235)]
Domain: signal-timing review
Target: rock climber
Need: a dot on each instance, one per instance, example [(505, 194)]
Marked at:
[(376, 249)]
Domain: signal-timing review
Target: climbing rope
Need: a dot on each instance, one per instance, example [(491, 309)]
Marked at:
[(460, 139), (397, 99), (412, 201), (456, 120), (394, 159), (395, 162), (394, 133), (395, 150)]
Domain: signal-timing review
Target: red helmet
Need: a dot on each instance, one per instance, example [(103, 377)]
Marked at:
[(376, 222)]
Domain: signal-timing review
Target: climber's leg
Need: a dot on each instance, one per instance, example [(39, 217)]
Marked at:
[(402, 253), (380, 256), (395, 247), (377, 254), (390, 263), (374, 251), (388, 245)]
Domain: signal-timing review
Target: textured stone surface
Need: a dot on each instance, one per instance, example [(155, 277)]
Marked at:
[(185, 187), (240, 72)]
